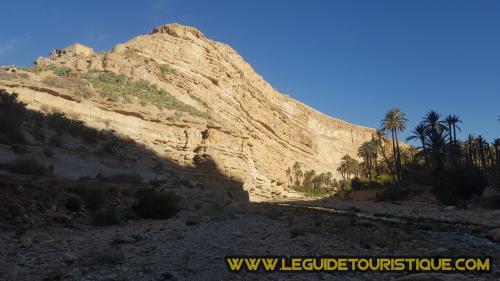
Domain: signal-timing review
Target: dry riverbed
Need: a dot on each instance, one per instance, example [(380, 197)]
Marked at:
[(192, 245)]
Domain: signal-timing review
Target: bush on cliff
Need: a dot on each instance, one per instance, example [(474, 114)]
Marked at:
[(155, 205)]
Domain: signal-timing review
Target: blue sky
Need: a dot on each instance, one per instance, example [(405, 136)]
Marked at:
[(349, 59)]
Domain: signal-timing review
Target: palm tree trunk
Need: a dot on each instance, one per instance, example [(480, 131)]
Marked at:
[(454, 134), (398, 161), (424, 150), (481, 154), (369, 168), (451, 135), (470, 151), (497, 153), (394, 154), (382, 149), (490, 154)]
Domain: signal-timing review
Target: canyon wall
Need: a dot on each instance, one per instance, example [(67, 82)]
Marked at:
[(253, 133)]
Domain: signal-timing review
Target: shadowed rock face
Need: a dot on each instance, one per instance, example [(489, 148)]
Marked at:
[(254, 135)]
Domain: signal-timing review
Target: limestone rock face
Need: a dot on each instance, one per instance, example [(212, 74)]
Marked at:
[(255, 132), (79, 50)]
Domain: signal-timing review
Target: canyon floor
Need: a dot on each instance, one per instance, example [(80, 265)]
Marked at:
[(192, 245)]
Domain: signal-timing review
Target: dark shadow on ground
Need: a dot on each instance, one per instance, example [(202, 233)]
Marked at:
[(31, 137)]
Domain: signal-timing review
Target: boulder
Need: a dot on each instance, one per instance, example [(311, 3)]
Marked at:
[(494, 234), (26, 241), (79, 50)]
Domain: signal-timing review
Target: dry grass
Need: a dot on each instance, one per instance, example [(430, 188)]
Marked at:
[(78, 87)]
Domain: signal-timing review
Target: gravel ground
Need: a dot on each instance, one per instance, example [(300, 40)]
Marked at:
[(192, 246)]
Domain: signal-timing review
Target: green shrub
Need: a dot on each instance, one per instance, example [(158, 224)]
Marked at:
[(378, 182), (61, 70), (345, 185), (384, 180), (77, 128), (26, 167), (393, 193), (93, 196), (12, 112), (154, 205), (358, 184), (420, 175), (106, 217), (79, 87), (167, 69), (313, 192), (129, 52), (110, 85), (457, 185), (199, 100)]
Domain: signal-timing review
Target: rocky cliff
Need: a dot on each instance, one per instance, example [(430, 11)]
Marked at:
[(218, 108)]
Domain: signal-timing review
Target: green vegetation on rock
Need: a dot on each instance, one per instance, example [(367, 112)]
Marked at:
[(61, 70), (112, 85), (167, 69)]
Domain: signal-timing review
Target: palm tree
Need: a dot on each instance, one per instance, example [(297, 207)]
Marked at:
[(308, 182), (455, 120), (364, 152), (420, 133), (380, 143), (348, 166), (412, 153), (436, 142), (368, 151), (395, 121), (432, 121), (449, 121), (342, 169), (297, 172), (490, 154), (480, 145), (436, 134), (471, 144), (289, 179), (496, 144)]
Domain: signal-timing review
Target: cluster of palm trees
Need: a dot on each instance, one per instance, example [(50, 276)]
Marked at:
[(439, 147), (437, 138), (478, 152), (349, 167), (308, 180)]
